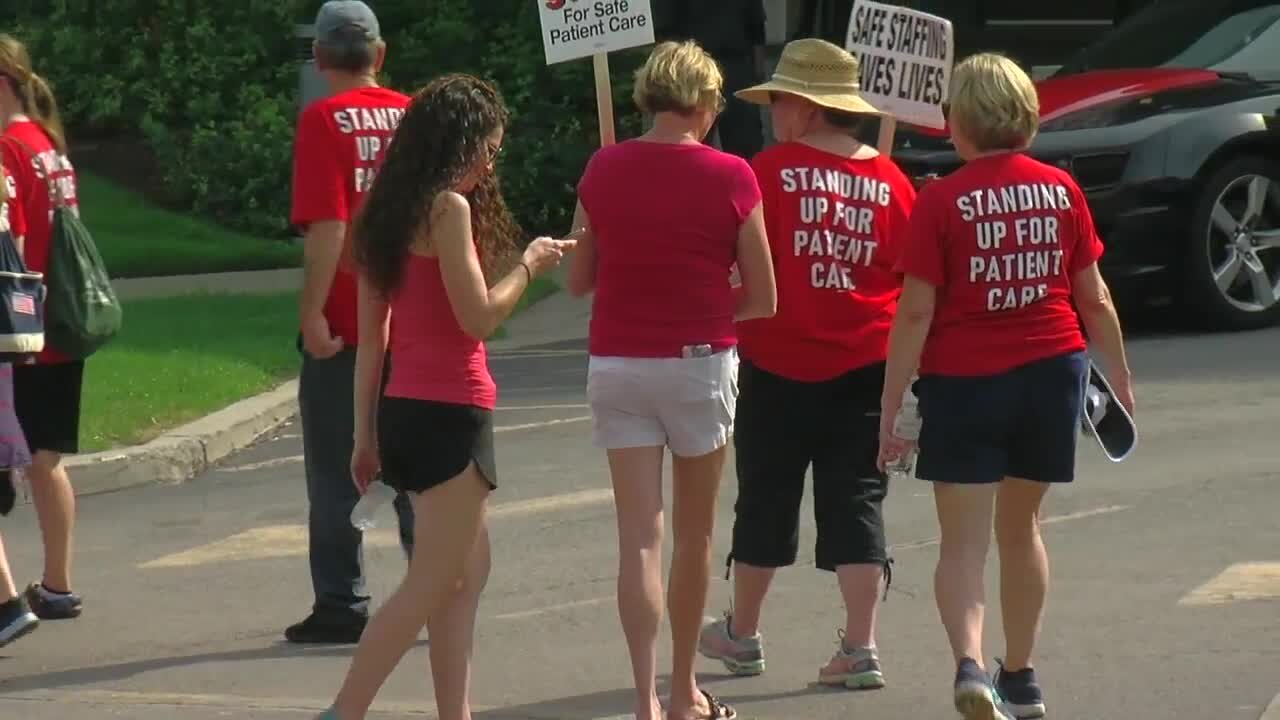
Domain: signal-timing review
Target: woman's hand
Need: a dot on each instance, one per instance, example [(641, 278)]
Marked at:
[(1123, 389), (892, 447), (364, 464), (545, 253)]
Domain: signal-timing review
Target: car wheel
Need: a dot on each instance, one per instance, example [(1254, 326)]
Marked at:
[(1233, 258)]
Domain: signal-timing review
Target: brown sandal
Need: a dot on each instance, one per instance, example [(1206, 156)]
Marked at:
[(719, 710)]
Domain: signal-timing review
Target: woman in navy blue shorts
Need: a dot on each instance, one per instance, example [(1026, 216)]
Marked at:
[(997, 252)]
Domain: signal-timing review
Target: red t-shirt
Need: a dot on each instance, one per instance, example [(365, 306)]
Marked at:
[(666, 219), (836, 229), (32, 188), (340, 143), (1001, 239)]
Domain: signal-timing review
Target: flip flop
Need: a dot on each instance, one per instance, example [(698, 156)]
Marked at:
[(719, 710)]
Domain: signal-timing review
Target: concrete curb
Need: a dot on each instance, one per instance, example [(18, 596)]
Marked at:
[(181, 454)]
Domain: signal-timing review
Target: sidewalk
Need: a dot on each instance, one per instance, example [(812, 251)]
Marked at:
[(260, 282)]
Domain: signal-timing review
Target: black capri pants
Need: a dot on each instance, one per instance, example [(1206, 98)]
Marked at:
[(782, 427)]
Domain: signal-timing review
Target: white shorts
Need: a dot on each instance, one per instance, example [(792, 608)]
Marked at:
[(686, 404)]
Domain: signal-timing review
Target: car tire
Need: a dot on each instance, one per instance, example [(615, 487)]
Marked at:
[(1209, 249)]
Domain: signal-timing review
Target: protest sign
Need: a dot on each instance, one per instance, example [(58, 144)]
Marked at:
[(573, 29), (904, 59)]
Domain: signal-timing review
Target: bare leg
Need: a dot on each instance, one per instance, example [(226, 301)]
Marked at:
[(696, 483), (637, 494), (1024, 567), (55, 503), (860, 588), (448, 520), (750, 585), (964, 516), (8, 590), (452, 631)]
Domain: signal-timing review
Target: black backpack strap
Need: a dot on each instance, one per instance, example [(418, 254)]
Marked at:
[(56, 198)]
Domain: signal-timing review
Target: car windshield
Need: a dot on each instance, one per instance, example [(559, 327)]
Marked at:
[(1179, 33)]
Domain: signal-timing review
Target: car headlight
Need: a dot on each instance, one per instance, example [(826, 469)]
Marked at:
[(1107, 114)]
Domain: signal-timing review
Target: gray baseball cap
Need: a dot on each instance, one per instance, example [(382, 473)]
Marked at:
[(339, 15)]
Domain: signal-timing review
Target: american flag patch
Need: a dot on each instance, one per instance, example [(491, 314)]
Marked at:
[(24, 304)]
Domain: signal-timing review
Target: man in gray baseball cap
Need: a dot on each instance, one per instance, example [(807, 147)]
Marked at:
[(348, 37), (337, 153)]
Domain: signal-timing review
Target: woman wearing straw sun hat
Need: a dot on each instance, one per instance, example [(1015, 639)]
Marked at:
[(811, 377)]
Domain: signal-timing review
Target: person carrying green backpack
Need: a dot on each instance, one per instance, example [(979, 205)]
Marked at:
[(81, 313)]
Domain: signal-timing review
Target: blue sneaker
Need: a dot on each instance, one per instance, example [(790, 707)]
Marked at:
[(975, 698), (1020, 693)]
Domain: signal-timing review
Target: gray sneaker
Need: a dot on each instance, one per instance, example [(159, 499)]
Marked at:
[(741, 656), (855, 669)]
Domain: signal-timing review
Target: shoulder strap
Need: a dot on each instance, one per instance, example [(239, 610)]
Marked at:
[(56, 198)]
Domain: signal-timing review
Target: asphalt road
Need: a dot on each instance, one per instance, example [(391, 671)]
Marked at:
[(1165, 603)]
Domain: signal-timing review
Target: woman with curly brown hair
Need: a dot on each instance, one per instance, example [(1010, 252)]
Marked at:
[(432, 234)]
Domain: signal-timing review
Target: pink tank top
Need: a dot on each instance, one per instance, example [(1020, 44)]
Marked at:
[(431, 357)]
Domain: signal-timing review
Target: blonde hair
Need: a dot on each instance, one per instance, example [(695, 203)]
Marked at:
[(994, 103), (678, 77), (33, 92)]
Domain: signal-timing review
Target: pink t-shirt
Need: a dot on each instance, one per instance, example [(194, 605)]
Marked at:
[(666, 219), (432, 358)]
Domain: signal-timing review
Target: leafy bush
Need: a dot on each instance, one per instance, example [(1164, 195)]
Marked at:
[(212, 90)]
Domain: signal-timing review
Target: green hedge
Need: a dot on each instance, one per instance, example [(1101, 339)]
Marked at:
[(212, 90)]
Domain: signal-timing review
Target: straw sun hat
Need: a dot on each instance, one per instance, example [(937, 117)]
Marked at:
[(815, 70)]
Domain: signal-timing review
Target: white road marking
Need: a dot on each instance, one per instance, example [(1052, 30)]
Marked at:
[(524, 614), (1241, 582), (515, 408), (552, 502), (1044, 521), (177, 700), (544, 423), (275, 462), (561, 607), (281, 541)]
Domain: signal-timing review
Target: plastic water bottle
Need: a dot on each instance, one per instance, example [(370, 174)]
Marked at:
[(365, 515), (907, 427)]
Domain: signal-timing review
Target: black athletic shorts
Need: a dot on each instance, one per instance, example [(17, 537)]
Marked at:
[(46, 398), (423, 443), (782, 428), (1021, 423)]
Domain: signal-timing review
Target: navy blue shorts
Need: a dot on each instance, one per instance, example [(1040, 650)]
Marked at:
[(1020, 423)]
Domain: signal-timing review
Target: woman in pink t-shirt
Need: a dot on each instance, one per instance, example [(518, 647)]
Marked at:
[(433, 243), (662, 220)]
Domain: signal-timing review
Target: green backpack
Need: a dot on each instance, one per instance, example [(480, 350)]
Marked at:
[(81, 310)]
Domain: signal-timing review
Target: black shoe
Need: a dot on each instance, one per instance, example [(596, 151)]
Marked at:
[(16, 620), (327, 630), (1020, 693), (52, 606), (975, 698), (8, 493)]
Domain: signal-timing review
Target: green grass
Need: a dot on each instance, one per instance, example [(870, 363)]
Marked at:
[(177, 359), (137, 239)]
